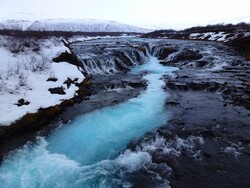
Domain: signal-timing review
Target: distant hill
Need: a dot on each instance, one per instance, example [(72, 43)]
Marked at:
[(237, 36), (219, 32), (70, 25)]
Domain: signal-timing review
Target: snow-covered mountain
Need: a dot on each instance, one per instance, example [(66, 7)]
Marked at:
[(72, 25), (15, 24)]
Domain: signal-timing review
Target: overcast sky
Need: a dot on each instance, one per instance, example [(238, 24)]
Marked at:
[(169, 13)]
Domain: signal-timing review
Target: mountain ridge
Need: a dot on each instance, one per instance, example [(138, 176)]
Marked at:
[(70, 25)]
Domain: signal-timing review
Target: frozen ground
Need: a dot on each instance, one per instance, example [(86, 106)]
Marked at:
[(25, 67), (217, 36)]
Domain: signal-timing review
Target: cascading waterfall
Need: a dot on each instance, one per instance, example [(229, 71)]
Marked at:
[(87, 151), (112, 59), (99, 66), (119, 61)]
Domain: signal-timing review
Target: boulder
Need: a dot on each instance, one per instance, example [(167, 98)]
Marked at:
[(165, 52), (172, 103), (57, 90), (143, 49), (186, 55), (201, 63), (22, 102), (67, 57), (137, 84), (51, 79)]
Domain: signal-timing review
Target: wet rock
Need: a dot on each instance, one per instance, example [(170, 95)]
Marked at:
[(177, 85), (160, 132), (214, 87), (198, 86), (2, 135), (22, 102), (143, 49), (246, 149), (207, 155), (165, 52), (241, 44), (168, 135), (201, 63), (236, 63), (166, 63), (172, 103), (137, 84), (245, 138), (227, 91), (187, 55), (207, 133), (57, 90)]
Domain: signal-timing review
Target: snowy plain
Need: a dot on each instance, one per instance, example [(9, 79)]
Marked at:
[(24, 75)]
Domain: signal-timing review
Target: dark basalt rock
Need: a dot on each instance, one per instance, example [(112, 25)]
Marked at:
[(186, 55), (185, 85), (22, 102), (201, 63), (172, 103), (143, 49), (165, 52), (137, 84), (67, 57), (52, 79), (57, 90), (242, 45), (2, 135), (198, 86), (236, 63), (69, 81), (168, 63), (176, 85)]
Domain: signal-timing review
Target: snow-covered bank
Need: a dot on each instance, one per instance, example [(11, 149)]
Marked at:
[(218, 36), (27, 74)]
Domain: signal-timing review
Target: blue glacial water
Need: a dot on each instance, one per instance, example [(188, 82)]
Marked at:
[(89, 151)]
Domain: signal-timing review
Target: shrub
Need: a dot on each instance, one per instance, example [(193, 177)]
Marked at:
[(23, 79), (17, 68), (18, 44), (36, 63), (2, 85), (15, 45), (52, 77), (9, 71)]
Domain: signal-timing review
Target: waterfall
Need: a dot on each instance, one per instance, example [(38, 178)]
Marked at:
[(118, 61), (109, 57)]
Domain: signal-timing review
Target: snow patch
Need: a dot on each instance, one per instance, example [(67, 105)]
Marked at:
[(234, 149), (216, 36), (24, 75)]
